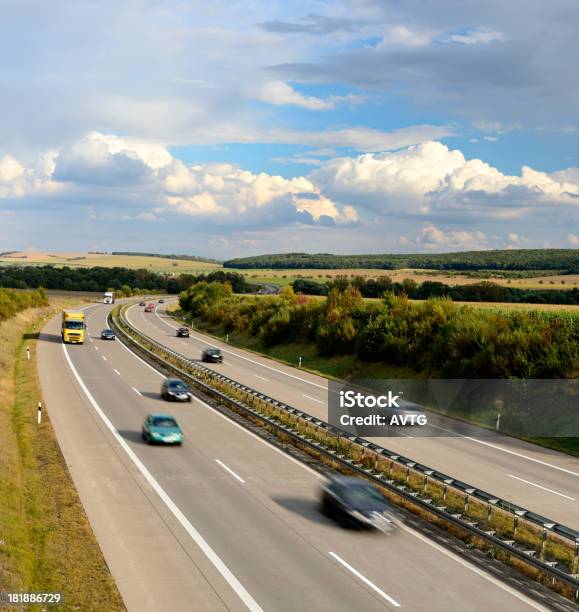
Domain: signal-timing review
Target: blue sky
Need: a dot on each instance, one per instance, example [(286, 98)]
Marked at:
[(234, 128)]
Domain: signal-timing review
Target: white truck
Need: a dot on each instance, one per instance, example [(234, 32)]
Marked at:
[(109, 297)]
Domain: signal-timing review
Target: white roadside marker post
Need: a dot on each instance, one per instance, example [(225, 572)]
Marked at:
[(300, 362), (498, 421), (28, 353), (39, 412)]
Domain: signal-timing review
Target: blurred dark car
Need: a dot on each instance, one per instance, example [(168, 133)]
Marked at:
[(182, 332), (355, 502), (107, 334), (161, 301), (176, 390), (142, 304), (212, 355)]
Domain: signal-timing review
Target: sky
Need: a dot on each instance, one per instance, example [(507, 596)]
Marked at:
[(235, 128)]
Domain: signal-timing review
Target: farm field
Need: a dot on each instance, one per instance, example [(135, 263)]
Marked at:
[(90, 260), (280, 277), (566, 308), (285, 277)]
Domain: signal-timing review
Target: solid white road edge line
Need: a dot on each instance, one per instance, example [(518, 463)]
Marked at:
[(409, 530), (228, 420), (230, 471), (365, 580), (219, 565), (510, 452), (473, 568), (534, 484), (263, 365), (556, 467)]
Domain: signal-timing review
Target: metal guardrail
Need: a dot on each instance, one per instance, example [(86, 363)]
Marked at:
[(553, 569)]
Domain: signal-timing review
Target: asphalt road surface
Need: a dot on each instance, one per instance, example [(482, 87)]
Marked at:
[(539, 479), (226, 521)]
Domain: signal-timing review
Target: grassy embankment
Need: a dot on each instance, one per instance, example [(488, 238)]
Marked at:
[(349, 366), (46, 542), (339, 366)]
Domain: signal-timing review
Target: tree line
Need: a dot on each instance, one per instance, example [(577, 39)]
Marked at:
[(12, 302), (434, 338), (112, 279), (484, 291), (563, 260)]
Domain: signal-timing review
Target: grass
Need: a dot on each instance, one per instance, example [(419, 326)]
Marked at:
[(339, 366), (535, 280), (89, 260), (46, 542)]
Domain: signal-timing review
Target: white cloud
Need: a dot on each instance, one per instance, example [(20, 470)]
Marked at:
[(428, 193), (403, 36), (432, 237), (431, 179), (573, 240), (279, 93)]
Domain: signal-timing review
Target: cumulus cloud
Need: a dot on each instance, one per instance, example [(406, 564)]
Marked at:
[(146, 179), (432, 179), (431, 195)]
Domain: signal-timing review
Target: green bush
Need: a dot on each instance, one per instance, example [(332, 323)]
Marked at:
[(13, 301), (435, 337)]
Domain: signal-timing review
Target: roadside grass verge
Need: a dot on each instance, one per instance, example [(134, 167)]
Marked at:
[(46, 542), (336, 367), (346, 367)]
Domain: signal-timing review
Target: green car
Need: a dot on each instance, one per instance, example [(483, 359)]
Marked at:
[(162, 428)]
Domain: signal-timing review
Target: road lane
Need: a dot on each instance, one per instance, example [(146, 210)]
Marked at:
[(484, 463), (268, 529)]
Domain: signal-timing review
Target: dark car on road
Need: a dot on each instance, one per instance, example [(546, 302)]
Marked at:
[(355, 502), (107, 334), (212, 355), (161, 428), (182, 332), (142, 304), (161, 301), (176, 390)]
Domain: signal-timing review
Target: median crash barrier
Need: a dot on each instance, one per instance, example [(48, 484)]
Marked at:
[(538, 546)]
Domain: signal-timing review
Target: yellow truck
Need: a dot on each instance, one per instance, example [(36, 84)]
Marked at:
[(73, 326)]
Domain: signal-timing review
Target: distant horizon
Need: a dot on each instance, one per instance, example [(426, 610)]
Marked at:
[(279, 127)]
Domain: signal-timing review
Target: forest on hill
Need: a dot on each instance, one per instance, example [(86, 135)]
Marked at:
[(562, 260)]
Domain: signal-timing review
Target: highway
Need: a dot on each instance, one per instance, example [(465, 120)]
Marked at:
[(227, 521), (539, 479)]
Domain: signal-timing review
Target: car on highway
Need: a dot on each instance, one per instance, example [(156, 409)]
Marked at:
[(107, 334), (183, 332), (161, 428), (149, 307), (175, 389), (142, 304), (354, 502), (161, 301), (212, 355)]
